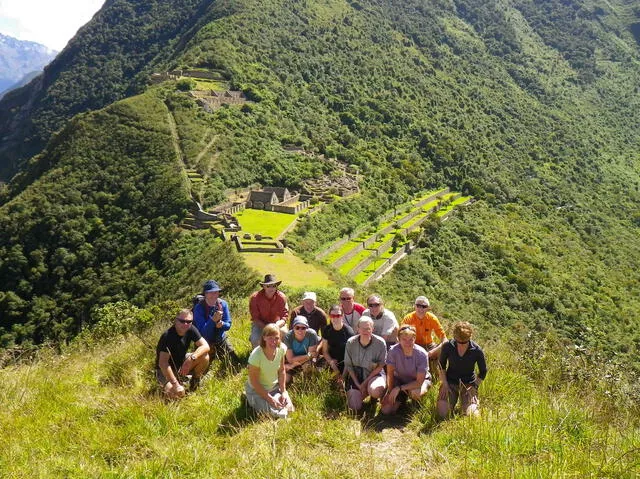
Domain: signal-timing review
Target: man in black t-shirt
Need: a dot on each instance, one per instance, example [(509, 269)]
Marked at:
[(172, 358)]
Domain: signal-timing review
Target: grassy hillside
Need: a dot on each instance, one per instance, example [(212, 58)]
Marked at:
[(102, 417)]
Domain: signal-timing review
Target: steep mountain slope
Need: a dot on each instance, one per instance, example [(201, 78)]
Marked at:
[(530, 106), (99, 66), (19, 59)]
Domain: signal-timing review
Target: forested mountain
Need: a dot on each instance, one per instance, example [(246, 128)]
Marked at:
[(97, 67), (19, 60), (530, 106)]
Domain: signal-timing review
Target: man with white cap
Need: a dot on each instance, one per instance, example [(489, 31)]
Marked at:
[(269, 305), (316, 317), (426, 324), (302, 343)]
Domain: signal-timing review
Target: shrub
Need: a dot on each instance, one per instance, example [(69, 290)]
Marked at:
[(186, 84), (119, 318)]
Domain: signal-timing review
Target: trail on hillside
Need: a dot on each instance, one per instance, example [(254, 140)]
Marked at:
[(208, 146), (175, 138)]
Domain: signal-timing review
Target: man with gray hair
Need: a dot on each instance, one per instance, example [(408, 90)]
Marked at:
[(364, 358), (385, 323), (351, 310)]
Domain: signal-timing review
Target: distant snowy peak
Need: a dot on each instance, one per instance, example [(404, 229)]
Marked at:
[(19, 58)]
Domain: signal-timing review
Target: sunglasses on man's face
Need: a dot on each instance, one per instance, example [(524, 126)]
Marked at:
[(186, 321), (373, 305), (300, 328), (346, 299), (421, 306)]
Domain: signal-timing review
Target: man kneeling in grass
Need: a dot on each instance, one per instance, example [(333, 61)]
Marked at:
[(173, 359), (407, 371), (364, 359)]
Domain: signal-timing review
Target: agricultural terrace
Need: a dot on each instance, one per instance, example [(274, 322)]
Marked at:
[(405, 210), (376, 262), (380, 243)]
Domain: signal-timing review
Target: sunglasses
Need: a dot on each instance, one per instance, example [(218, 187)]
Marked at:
[(421, 306), (346, 299), (299, 328), (335, 315), (373, 305), (405, 328), (186, 321)]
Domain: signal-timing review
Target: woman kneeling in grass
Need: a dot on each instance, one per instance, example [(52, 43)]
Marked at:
[(266, 387), (407, 371), (459, 378)]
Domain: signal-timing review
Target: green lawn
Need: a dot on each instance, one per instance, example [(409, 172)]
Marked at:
[(282, 265), (266, 223)]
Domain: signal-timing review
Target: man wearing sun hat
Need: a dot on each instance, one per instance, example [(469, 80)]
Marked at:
[(269, 305), (212, 318)]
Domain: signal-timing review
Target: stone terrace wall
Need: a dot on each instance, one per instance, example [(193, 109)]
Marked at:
[(258, 246), (408, 248)]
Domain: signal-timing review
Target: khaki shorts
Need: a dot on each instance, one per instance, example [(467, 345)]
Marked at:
[(468, 395)]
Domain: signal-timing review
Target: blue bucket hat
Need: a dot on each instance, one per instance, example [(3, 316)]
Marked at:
[(211, 286)]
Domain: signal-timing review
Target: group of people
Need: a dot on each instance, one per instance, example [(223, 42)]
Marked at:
[(369, 353)]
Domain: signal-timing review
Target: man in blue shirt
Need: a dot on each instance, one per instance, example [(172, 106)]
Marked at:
[(212, 318)]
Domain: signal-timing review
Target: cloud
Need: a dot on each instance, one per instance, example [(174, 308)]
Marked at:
[(50, 22)]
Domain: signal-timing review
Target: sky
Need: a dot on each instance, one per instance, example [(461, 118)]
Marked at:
[(49, 22)]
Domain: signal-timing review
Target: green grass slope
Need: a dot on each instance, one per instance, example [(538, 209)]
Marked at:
[(101, 416)]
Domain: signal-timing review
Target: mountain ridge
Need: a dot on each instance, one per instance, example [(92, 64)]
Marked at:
[(412, 94)]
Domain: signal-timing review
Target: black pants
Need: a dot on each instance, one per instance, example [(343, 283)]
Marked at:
[(224, 351)]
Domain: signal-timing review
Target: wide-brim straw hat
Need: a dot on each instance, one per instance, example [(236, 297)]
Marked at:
[(270, 279)]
